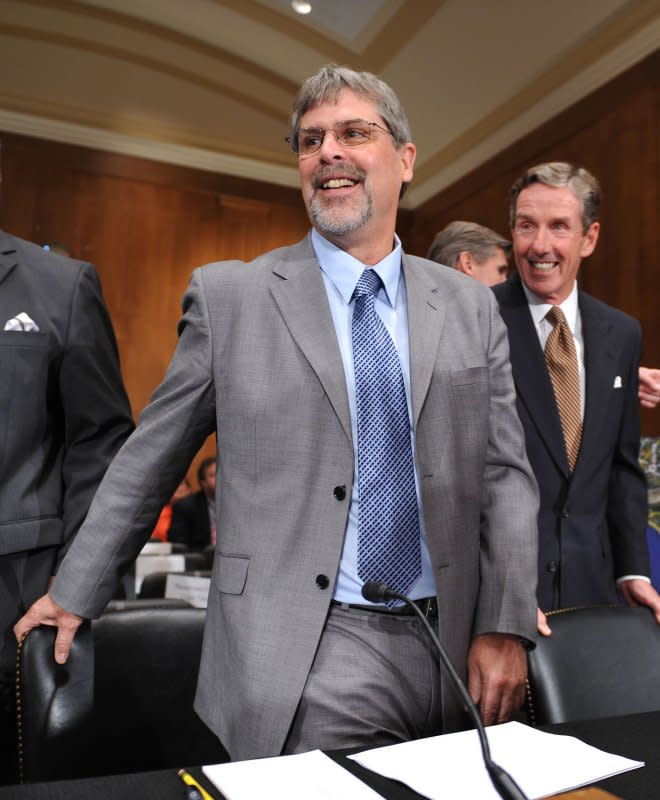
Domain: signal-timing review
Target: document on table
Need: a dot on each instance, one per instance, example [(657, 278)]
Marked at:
[(307, 776), (451, 766), (156, 549), (193, 588), (145, 565)]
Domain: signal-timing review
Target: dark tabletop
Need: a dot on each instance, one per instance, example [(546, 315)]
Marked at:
[(636, 736)]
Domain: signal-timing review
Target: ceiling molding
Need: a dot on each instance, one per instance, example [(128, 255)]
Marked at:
[(390, 39), (626, 40), (164, 33), (396, 34), (615, 44), (115, 142), (157, 65)]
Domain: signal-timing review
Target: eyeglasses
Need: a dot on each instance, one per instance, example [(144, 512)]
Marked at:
[(350, 133)]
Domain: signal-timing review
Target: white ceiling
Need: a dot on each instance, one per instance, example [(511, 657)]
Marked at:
[(209, 83)]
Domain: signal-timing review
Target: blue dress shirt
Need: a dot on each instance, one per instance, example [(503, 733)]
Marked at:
[(341, 272)]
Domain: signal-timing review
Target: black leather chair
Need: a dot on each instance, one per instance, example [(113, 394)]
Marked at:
[(123, 702), (144, 603), (599, 662)]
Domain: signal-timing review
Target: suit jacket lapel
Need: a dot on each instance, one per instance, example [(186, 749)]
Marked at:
[(426, 320), (530, 373), (302, 300), (600, 367), (8, 259)]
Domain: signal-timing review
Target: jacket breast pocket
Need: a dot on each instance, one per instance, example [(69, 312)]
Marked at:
[(469, 376), (231, 572)]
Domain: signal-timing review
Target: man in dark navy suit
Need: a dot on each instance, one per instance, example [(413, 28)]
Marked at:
[(592, 520)]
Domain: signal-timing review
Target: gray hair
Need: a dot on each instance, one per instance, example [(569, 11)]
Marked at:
[(458, 236), (559, 173), (325, 86)]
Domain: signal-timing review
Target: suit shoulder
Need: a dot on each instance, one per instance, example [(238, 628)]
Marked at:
[(49, 267), (614, 316), (451, 281), (237, 270)]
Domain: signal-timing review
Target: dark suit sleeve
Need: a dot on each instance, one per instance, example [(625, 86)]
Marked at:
[(96, 414), (182, 522), (627, 509)]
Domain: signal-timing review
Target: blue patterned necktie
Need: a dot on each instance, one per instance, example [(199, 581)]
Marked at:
[(389, 547)]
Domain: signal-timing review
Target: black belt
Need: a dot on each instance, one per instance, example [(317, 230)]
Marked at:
[(427, 605)]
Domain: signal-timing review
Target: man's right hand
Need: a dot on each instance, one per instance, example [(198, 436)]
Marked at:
[(46, 612)]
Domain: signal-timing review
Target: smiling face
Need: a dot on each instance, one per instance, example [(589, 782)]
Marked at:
[(548, 240), (352, 193)]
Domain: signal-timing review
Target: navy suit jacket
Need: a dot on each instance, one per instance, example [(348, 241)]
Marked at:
[(592, 523)]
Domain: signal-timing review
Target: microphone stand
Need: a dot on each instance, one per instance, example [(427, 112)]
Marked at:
[(505, 785)]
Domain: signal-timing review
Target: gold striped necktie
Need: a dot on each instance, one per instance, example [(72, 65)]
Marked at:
[(561, 358)]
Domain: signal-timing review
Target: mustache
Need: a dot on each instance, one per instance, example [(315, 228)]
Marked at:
[(329, 172)]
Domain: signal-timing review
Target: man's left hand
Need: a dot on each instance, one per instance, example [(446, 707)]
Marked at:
[(497, 669), (649, 387), (640, 593)]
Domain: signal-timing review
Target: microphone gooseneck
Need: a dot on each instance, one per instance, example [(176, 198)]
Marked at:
[(507, 788)]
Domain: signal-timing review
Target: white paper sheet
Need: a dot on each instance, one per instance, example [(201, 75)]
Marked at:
[(156, 549), (451, 766), (308, 776), (193, 588), (145, 565)]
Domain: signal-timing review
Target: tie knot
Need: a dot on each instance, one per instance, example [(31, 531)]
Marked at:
[(368, 284), (556, 316)]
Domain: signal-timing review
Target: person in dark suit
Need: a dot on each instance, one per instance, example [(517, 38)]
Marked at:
[(312, 357), (193, 517), (63, 416), (583, 443)]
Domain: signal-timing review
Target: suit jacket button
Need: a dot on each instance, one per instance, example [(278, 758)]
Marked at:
[(552, 567), (564, 513), (339, 492), (322, 581)]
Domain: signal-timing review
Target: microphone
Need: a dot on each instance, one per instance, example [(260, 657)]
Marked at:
[(506, 787)]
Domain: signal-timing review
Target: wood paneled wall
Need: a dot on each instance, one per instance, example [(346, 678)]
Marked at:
[(615, 133), (145, 226)]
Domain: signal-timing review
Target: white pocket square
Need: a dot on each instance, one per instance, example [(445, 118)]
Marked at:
[(617, 382), (21, 322)]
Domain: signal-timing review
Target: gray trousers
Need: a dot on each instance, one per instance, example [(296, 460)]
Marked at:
[(375, 680)]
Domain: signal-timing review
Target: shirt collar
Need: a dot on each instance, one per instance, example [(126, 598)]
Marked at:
[(344, 270), (538, 308)]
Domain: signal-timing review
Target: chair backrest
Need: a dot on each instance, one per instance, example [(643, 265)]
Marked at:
[(153, 586), (143, 603), (599, 662), (123, 702)]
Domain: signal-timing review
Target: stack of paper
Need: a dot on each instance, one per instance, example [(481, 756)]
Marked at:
[(441, 768)]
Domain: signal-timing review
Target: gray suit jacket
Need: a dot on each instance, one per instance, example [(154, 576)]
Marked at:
[(258, 359)]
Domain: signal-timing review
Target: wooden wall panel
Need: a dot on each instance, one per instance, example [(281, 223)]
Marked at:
[(615, 133), (145, 235)]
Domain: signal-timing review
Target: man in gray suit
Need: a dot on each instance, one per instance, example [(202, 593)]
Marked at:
[(272, 355), (63, 416)]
